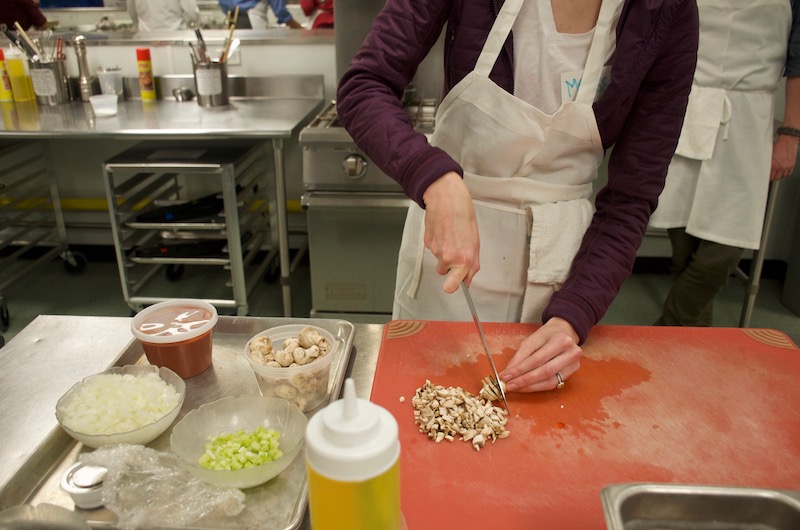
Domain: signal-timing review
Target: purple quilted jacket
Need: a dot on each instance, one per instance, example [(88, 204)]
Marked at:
[(640, 115)]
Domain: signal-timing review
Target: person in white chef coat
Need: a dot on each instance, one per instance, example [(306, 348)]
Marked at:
[(714, 199), (155, 15)]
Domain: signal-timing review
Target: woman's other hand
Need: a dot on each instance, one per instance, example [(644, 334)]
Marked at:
[(451, 230), (784, 156), (551, 349)]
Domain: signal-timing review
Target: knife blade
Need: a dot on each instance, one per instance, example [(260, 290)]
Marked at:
[(483, 338)]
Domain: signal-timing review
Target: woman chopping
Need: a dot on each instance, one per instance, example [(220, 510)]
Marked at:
[(535, 92)]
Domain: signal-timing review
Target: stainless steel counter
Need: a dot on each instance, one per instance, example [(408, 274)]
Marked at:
[(268, 118), (52, 353), (284, 105)]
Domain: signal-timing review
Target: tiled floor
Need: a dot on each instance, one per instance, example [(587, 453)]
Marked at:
[(50, 289)]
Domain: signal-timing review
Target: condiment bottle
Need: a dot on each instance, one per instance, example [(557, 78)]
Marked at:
[(21, 82), (5, 80), (147, 85), (353, 465)]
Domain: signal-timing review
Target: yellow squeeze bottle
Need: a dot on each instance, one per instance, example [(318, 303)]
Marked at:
[(5, 81), (353, 465), (21, 83)]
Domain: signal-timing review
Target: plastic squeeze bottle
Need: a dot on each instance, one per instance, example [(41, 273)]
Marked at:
[(147, 83), (353, 465), (21, 83), (5, 80)]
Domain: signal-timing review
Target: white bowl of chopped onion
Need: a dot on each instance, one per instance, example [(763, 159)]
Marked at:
[(131, 404), (264, 433)]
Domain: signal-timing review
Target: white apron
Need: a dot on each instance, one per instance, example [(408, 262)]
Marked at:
[(718, 181), (530, 175)]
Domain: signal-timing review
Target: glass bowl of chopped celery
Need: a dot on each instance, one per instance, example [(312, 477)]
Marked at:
[(239, 442), (131, 404)]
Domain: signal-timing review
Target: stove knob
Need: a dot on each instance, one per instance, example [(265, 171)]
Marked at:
[(355, 166)]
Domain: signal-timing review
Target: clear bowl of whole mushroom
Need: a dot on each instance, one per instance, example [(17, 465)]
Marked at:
[(292, 362), (131, 404)]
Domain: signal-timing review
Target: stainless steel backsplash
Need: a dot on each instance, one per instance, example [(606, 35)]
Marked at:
[(353, 21)]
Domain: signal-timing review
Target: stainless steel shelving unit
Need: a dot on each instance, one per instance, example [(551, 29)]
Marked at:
[(30, 217), (156, 176)]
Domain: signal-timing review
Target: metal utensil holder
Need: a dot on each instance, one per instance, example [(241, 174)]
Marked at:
[(50, 82), (211, 83)]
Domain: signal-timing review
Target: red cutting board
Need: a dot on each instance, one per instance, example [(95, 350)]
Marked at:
[(650, 404)]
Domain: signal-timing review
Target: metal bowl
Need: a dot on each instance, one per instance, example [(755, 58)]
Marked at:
[(183, 94), (647, 506)]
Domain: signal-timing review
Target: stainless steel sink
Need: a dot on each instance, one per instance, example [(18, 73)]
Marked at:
[(647, 506)]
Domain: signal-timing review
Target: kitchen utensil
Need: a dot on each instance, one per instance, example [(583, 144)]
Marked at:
[(234, 45), (650, 506), (110, 80), (20, 43), (202, 49), (28, 40), (483, 339), (183, 94), (211, 83), (104, 105)]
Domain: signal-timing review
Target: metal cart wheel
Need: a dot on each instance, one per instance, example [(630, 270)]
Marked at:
[(74, 262), (5, 317), (174, 271)]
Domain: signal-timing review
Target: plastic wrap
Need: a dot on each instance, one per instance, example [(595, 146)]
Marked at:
[(145, 487)]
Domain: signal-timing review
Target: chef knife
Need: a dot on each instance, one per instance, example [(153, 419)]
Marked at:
[(483, 338)]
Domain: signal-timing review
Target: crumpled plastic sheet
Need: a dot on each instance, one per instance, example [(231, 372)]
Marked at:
[(145, 487)]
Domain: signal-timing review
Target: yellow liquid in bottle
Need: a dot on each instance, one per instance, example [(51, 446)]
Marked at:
[(369, 505), (21, 83)]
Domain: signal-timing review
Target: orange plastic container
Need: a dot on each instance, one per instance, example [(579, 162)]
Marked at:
[(177, 334)]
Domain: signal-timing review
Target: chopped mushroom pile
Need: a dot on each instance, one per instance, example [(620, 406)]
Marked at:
[(446, 412)]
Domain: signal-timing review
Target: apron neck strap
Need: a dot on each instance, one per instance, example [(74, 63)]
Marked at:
[(498, 36), (602, 42)]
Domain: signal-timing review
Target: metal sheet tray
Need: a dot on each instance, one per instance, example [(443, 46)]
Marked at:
[(280, 503), (650, 506)]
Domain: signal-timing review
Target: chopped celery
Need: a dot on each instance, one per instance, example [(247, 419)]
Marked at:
[(241, 450)]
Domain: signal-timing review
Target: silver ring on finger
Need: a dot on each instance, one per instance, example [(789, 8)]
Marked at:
[(561, 383)]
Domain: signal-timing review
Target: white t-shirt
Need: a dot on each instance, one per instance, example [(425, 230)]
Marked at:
[(548, 65), (153, 15)]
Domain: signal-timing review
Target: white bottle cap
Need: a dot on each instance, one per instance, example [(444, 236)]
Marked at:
[(352, 439)]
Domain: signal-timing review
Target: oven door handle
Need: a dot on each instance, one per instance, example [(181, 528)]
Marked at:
[(355, 200)]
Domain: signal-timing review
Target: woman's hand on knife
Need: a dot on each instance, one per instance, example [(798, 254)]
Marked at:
[(451, 230)]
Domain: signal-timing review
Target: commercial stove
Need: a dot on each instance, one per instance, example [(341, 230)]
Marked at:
[(355, 218)]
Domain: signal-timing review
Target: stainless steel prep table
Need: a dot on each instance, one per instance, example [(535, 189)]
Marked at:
[(284, 106), (53, 352)]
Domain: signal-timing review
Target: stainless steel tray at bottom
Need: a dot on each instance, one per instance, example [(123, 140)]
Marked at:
[(280, 503), (648, 506)]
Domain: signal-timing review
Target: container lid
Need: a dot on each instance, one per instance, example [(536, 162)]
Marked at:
[(174, 320), (142, 54), (352, 439), (84, 484)]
